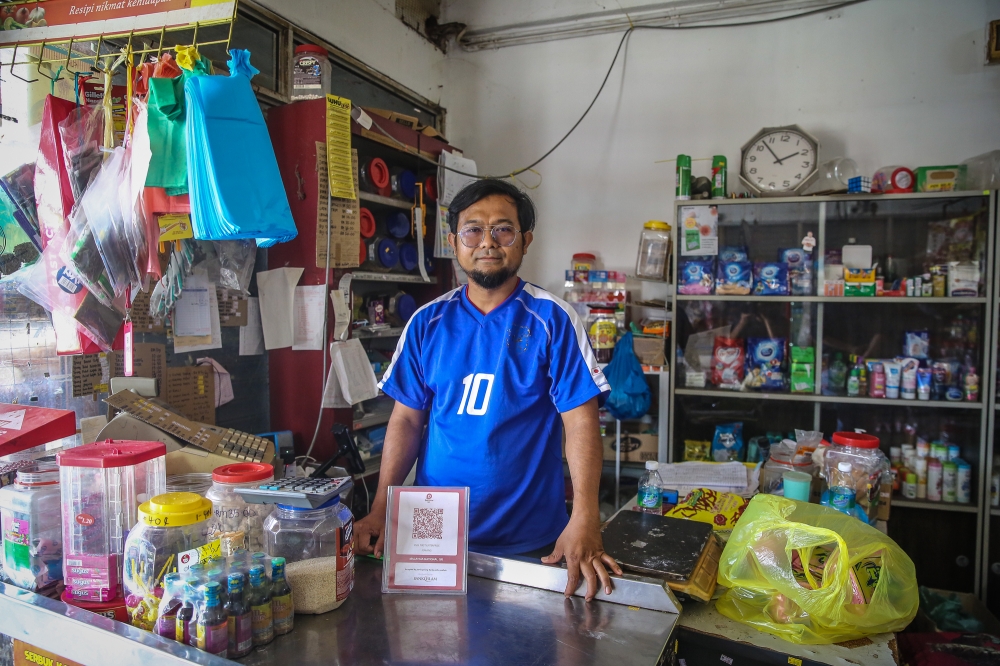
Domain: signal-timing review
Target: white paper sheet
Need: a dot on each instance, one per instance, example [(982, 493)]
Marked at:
[(309, 317), (351, 378), (277, 301), (251, 335), (192, 312), (203, 342), (341, 314), (450, 182)]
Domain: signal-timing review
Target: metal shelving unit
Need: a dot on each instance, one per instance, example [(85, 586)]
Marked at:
[(385, 201), (819, 215), (990, 393)]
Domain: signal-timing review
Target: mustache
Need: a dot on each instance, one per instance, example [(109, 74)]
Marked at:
[(491, 254)]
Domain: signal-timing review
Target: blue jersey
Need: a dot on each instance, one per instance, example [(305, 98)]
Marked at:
[(494, 385)]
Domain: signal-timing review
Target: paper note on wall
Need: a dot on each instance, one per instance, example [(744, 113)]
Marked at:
[(338, 147), (342, 216), (184, 344), (252, 335), (309, 317), (192, 312), (451, 182), (277, 301)]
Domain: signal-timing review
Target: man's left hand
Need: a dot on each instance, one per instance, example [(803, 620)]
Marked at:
[(581, 545)]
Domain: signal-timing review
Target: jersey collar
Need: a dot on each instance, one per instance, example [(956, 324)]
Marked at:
[(478, 314)]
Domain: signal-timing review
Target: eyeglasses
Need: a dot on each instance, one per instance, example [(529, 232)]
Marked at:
[(503, 234)]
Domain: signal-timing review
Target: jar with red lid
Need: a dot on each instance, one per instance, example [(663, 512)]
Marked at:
[(868, 465), (583, 263), (241, 522), (311, 72), (31, 528)]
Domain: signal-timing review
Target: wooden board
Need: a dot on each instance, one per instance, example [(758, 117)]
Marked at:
[(667, 547)]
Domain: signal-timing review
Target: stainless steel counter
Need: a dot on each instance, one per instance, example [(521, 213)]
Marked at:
[(496, 623)]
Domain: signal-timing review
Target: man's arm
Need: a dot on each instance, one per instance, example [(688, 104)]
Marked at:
[(580, 543), (402, 443)]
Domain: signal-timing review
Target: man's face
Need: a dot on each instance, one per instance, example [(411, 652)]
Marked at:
[(489, 264)]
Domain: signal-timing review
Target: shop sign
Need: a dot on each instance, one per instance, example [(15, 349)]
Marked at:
[(26, 654)]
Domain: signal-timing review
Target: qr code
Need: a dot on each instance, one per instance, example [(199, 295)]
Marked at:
[(428, 523)]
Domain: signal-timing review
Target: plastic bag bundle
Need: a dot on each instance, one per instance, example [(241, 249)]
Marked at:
[(233, 179), (81, 133), (53, 192), (168, 165), (236, 262), (812, 575), (17, 192), (630, 394)]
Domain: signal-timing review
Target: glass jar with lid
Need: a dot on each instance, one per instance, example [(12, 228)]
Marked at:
[(31, 528), (603, 330), (241, 522), (654, 251), (311, 72), (297, 534)]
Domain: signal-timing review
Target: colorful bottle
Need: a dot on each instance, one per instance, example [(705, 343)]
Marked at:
[(213, 623), (842, 492), (838, 375), (282, 609), (934, 474), (854, 383), (910, 486), (650, 499), (877, 384), (183, 626), (173, 590), (240, 633), (261, 621), (949, 482), (971, 385), (862, 377)]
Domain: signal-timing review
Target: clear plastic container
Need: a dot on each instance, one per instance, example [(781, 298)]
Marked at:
[(311, 72), (785, 457), (172, 532), (241, 522), (102, 486), (867, 464), (603, 330), (31, 525), (654, 251), (192, 482), (299, 534)]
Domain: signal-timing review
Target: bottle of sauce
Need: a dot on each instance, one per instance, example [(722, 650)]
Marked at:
[(238, 610), (261, 621), (282, 609), (213, 623), (185, 615)]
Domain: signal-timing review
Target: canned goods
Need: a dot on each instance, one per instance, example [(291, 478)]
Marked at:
[(719, 177), (682, 189)]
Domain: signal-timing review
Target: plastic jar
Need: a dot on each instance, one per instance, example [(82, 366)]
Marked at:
[(192, 482), (408, 257), (867, 461), (230, 512), (296, 534), (397, 224), (654, 251), (374, 176), (382, 254), (367, 222), (311, 72), (603, 330), (31, 528), (171, 532), (584, 261)]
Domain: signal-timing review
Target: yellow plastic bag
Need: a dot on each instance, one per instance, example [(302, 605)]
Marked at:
[(810, 574)]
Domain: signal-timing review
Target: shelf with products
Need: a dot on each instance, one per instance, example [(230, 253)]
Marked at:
[(782, 320), (369, 197), (371, 276)]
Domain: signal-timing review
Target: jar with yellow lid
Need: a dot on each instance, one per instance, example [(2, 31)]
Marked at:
[(654, 251), (170, 535)]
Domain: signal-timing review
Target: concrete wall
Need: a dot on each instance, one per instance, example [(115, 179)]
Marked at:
[(883, 82)]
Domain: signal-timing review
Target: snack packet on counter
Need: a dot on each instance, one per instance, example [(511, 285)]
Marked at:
[(727, 444), (696, 276), (728, 363), (719, 509), (696, 450)]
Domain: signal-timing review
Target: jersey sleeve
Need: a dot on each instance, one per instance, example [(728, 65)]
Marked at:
[(404, 379), (573, 369)]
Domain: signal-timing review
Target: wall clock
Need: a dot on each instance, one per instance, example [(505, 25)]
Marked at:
[(779, 161)]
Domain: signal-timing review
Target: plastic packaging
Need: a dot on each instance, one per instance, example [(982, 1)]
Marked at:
[(892, 379), (81, 133), (301, 534), (770, 279), (908, 372), (765, 358), (949, 482), (696, 276), (733, 253), (649, 499), (728, 363), (31, 529), (934, 480), (782, 458), (800, 270), (654, 251), (727, 443), (602, 329), (311, 72), (963, 482), (866, 463), (102, 486), (238, 523), (812, 575), (876, 388), (630, 394), (916, 344), (236, 262), (734, 278)]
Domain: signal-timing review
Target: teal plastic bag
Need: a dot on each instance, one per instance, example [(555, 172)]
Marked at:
[(233, 178), (630, 394), (167, 139)]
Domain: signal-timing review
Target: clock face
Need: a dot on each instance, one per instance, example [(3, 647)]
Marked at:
[(780, 161)]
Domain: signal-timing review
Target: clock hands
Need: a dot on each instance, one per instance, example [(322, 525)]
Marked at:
[(786, 157), (773, 153)]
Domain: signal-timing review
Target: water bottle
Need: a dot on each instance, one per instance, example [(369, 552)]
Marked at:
[(842, 491), (650, 500)]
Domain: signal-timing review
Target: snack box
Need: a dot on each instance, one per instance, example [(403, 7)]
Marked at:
[(859, 289), (941, 178)]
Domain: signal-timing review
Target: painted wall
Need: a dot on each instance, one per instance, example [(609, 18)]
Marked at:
[(884, 82)]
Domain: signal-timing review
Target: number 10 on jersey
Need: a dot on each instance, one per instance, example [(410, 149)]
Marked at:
[(470, 395)]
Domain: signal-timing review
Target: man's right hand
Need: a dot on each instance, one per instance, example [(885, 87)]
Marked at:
[(370, 527)]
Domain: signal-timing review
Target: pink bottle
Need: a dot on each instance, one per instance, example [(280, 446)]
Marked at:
[(876, 387)]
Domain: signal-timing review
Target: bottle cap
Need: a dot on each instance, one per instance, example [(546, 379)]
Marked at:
[(911, 478), (243, 473), (844, 466), (652, 465)]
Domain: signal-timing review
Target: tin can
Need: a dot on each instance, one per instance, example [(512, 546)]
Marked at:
[(682, 190), (719, 177)]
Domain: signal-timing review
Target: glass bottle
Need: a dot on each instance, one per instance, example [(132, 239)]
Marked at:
[(240, 635), (282, 609), (213, 623), (261, 622), (650, 499), (185, 614)]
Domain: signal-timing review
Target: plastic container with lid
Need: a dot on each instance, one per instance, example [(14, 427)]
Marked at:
[(231, 514), (297, 534), (867, 464), (311, 72), (584, 261), (654, 251), (192, 482), (102, 485), (367, 220), (784, 457), (31, 528), (603, 330), (397, 224), (403, 183), (172, 532), (382, 255), (408, 257), (374, 176)]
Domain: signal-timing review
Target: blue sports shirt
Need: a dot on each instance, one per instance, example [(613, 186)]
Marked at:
[(494, 385)]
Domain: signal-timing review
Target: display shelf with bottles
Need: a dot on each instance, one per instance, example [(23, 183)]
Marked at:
[(844, 312)]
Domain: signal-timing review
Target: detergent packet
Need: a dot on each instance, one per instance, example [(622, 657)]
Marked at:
[(727, 444), (800, 270)]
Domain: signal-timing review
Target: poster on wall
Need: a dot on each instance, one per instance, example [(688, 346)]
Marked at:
[(55, 20)]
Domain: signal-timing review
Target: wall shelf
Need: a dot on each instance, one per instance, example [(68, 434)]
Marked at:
[(834, 399), (937, 506), (384, 201), (370, 276), (881, 300)]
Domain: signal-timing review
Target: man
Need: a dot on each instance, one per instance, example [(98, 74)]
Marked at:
[(492, 368)]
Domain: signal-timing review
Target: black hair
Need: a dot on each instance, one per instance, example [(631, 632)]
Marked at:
[(480, 189)]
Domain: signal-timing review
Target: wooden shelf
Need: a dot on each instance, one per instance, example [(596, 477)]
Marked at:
[(937, 506), (370, 276), (833, 399), (385, 201)]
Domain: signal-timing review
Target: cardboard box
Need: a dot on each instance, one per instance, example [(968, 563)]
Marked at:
[(859, 289), (941, 178), (406, 121), (635, 448)]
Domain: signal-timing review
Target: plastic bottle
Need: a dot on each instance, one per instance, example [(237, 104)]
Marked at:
[(934, 474), (838, 375), (183, 626), (173, 600), (240, 635), (862, 377), (921, 470), (311, 72), (854, 383), (842, 491), (910, 486), (971, 392), (282, 609), (949, 482), (262, 622), (650, 500), (963, 490), (877, 385), (213, 624)]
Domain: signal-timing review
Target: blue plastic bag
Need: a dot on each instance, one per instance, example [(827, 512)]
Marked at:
[(235, 187), (630, 394)]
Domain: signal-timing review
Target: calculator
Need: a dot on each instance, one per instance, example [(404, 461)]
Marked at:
[(299, 492)]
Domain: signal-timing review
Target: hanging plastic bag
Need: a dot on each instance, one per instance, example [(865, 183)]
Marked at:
[(630, 394), (140, 154), (812, 575), (53, 192), (81, 133), (79, 251), (235, 187), (17, 192), (236, 262), (168, 164)]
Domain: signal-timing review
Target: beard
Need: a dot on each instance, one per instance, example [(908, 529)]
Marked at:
[(493, 279)]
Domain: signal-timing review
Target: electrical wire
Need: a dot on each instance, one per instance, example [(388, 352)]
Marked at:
[(326, 283), (604, 82)]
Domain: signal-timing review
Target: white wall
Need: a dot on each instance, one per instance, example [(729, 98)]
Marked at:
[(370, 31), (884, 82)]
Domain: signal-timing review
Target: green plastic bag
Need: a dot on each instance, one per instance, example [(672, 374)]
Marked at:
[(785, 569)]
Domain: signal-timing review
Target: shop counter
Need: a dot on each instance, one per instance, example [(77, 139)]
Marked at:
[(497, 622)]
